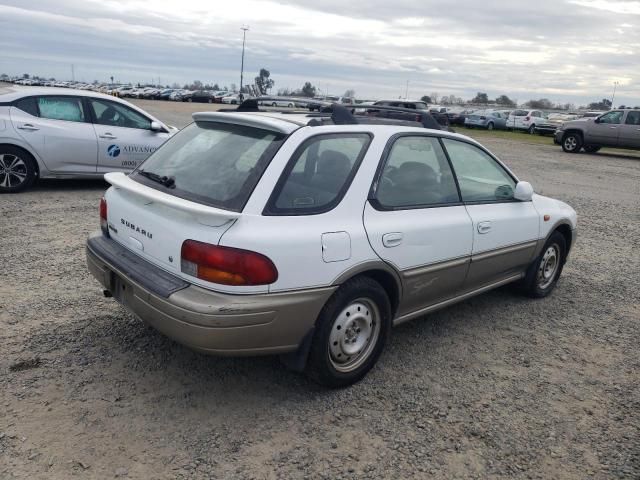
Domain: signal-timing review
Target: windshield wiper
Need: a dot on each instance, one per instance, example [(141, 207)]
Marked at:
[(168, 182)]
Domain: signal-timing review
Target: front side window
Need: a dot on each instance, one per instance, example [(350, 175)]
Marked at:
[(480, 177), (416, 173), (211, 163), (116, 115), (61, 108), (611, 117), (319, 174)]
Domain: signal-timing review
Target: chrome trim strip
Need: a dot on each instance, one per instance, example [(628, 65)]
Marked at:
[(435, 267), (503, 250), (459, 298)]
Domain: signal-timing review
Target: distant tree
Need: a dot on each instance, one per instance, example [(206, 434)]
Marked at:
[(308, 90), (53, 79), (215, 86), (233, 87), (602, 105), (568, 106), (284, 92), (175, 85), (196, 85), (264, 82), (506, 101), (542, 104), (4, 75), (435, 96), (426, 99), (480, 98), (25, 75), (451, 100), (349, 93)]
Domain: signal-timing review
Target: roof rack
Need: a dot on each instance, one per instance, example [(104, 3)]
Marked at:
[(340, 115)]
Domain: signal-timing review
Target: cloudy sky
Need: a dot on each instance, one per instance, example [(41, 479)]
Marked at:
[(565, 50)]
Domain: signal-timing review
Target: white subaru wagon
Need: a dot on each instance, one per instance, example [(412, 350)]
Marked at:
[(310, 236), (63, 133)]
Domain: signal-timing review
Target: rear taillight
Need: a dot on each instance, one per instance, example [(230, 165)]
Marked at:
[(418, 118), (226, 265), (104, 224)]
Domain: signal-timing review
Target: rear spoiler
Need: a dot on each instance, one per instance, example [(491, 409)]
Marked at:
[(211, 216)]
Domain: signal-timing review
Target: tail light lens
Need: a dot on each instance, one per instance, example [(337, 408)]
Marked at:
[(418, 118), (226, 265), (104, 224)]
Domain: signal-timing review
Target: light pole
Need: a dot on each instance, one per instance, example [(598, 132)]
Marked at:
[(244, 29), (613, 97)]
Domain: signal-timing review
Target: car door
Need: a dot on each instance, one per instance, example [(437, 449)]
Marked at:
[(415, 221), (58, 129), (605, 129), (125, 138), (629, 136), (505, 231)]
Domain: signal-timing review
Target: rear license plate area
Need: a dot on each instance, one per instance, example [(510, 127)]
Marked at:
[(121, 290)]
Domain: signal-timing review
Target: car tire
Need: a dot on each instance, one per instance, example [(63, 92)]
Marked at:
[(544, 272), (572, 142), (274, 104), (592, 148), (17, 169), (532, 129), (290, 105), (490, 126), (350, 333)]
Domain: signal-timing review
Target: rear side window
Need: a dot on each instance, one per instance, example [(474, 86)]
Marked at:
[(28, 105), (61, 108), (211, 163), (416, 173), (519, 113), (318, 175), (480, 177), (633, 118)]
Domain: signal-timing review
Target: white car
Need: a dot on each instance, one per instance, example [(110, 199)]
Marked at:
[(311, 236), (232, 99), (277, 102), (63, 133), (525, 120)]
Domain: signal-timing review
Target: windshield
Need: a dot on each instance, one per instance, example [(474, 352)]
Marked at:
[(211, 163)]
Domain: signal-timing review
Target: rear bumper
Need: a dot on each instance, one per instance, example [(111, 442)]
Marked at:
[(207, 321)]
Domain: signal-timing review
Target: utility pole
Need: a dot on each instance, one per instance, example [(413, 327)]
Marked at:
[(244, 29), (613, 97)]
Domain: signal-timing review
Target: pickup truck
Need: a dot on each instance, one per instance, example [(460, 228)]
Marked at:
[(617, 129)]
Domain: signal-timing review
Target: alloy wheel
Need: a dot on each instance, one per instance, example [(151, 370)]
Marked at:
[(13, 170)]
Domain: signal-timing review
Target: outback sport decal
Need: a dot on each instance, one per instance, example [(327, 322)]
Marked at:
[(136, 228)]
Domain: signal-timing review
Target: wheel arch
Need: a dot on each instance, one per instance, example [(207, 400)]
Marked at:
[(565, 230), (382, 273), (26, 150), (573, 130)]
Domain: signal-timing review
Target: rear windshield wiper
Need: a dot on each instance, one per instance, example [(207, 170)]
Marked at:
[(168, 182)]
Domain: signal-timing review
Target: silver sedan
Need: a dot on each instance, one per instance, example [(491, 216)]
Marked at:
[(62, 133)]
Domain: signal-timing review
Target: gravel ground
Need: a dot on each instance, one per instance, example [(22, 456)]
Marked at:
[(499, 386)]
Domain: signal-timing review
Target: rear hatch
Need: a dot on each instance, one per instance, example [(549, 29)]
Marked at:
[(193, 188)]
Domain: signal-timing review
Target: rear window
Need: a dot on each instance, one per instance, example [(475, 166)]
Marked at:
[(212, 163)]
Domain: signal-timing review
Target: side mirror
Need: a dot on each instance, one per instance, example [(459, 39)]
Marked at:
[(156, 127), (596, 120), (523, 192)]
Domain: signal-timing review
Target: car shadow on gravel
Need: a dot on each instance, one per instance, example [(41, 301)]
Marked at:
[(120, 348), (64, 185)]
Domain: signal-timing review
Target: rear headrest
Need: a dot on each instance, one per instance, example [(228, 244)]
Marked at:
[(334, 163), (412, 173)]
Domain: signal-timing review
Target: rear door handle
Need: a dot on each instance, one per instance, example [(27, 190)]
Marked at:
[(28, 126), (108, 136), (484, 227), (391, 240)]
